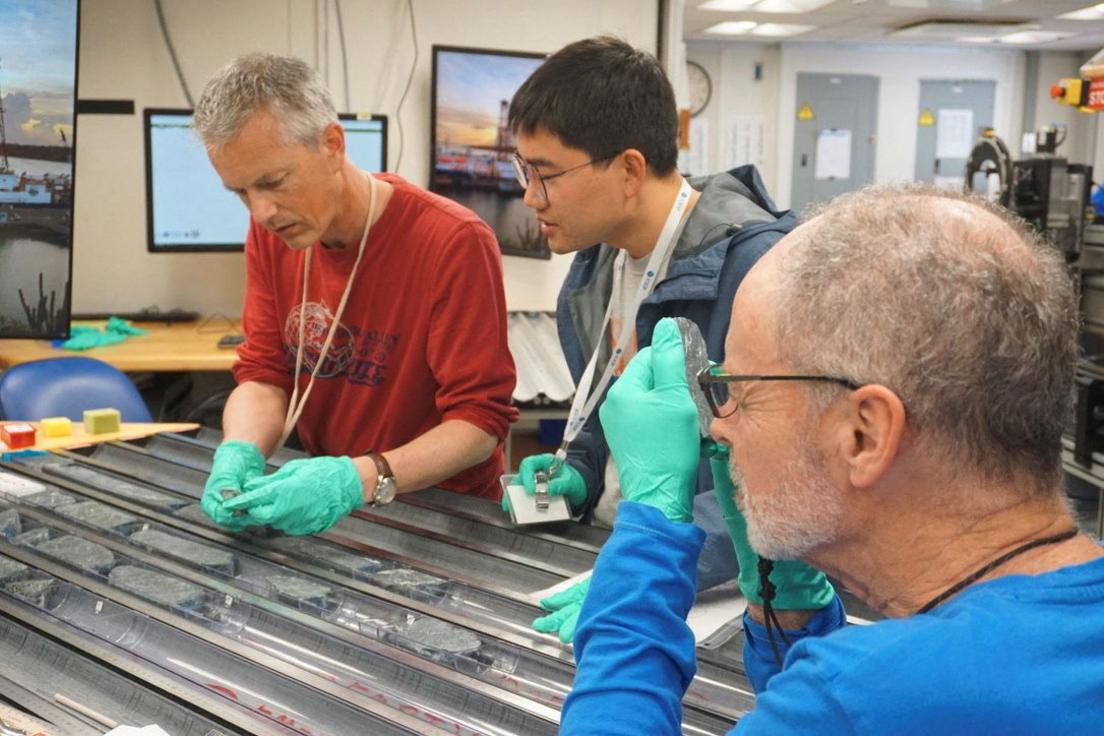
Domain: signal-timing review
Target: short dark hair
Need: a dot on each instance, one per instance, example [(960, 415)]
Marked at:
[(602, 96)]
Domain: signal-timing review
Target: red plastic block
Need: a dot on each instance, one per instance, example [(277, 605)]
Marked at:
[(17, 436)]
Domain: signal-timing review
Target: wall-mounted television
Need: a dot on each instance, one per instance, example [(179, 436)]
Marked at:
[(472, 147), (187, 207), (38, 90)]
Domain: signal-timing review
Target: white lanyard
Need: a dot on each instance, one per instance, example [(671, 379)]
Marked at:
[(585, 401), (296, 405)]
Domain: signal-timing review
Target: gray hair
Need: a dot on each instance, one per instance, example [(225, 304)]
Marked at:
[(952, 303), (284, 85)]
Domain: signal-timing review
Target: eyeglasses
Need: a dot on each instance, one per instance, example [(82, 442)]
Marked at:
[(527, 174), (715, 384)]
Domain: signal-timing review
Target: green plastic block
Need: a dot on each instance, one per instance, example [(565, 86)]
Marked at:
[(101, 421)]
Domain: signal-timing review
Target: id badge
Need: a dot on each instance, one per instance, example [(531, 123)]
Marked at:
[(524, 509)]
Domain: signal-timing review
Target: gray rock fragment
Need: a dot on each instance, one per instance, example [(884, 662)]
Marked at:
[(79, 552), (50, 499), (300, 590), (11, 569), (198, 554), (116, 486), (32, 537), (10, 523), (336, 557), (162, 589), (405, 579), (194, 512), (34, 591), (96, 514), (432, 636)]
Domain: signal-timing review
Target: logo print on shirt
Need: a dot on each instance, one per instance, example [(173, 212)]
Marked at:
[(360, 358), (316, 325)]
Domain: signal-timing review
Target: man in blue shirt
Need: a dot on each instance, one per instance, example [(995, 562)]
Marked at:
[(897, 376)]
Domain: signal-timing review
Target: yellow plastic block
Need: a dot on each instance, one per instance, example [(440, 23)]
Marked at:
[(56, 426), (101, 421)]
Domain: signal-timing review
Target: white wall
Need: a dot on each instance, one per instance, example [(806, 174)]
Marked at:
[(731, 66), (900, 71), (122, 56)]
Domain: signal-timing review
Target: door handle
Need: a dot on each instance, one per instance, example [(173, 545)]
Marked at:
[(804, 160), (937, 166)]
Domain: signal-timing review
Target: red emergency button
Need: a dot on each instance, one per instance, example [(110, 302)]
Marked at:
[(1056, 91)]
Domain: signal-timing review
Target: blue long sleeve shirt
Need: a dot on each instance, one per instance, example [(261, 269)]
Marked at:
[(1016, 655)]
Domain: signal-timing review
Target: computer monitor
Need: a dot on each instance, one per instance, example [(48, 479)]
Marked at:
[(187, 207), (38, 85)]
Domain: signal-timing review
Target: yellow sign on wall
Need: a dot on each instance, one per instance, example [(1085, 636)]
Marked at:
[(806, 112), (927, 119)]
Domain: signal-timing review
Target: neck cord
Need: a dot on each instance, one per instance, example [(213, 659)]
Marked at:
[(985, 570), (770, 616), (767, 590), (297, 404)]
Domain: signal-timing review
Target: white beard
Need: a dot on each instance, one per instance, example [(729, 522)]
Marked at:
[(800, 511)]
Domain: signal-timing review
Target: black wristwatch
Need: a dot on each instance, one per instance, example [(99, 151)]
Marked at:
[(385, 481)]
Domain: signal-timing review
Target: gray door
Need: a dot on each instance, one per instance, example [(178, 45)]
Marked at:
[(952, 114), (837, 120)]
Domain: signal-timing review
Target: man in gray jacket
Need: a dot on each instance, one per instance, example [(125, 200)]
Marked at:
[(597, 130)]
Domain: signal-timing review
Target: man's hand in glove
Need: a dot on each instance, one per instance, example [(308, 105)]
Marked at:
[(567, 482), (651, 425), (564, 610), (303, 497), (235, 463)]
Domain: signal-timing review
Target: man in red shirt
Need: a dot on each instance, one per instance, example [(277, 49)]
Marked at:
[(374, 317)]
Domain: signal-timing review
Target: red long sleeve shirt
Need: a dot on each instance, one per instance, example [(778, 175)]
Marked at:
[(422, 339)]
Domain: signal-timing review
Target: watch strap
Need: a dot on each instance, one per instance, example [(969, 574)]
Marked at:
[(383, 468)]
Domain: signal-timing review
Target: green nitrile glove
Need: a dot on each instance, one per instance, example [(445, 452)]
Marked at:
[(567, 482), (303, 497), (235, 463), (798, 587), (82, 337), (564, 607), (120, 326), (651, 425)]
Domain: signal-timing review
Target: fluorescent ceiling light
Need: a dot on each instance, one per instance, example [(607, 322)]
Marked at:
[(1034, 37), (732, 27), (780, 29), (977, 39), (1096, 12), (953, 30), (947, 4), (765, 6), (727, 5)]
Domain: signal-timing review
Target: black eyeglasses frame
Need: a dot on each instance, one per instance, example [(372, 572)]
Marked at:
[(523, 167), (716, 374)]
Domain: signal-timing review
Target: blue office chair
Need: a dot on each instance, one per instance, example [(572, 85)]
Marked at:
[(66, 387)]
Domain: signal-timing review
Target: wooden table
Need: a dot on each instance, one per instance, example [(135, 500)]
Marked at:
[(178, 346), (80, 438)]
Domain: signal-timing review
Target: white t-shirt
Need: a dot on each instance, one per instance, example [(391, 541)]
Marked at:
[(626, 282)]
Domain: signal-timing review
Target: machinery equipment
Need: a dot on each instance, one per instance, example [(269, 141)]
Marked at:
[(1045, 189)]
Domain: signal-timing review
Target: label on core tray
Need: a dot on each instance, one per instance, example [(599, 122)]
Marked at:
[(18, 486)]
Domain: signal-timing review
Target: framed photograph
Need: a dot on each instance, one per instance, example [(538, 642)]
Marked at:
[(472, 148), (38, 89)]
